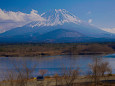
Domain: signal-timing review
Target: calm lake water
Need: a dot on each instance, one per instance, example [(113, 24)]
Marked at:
[(53, 64)]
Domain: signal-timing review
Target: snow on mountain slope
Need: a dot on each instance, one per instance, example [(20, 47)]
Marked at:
[(58, 25), (64, 19), (56, 17), (60, 17)]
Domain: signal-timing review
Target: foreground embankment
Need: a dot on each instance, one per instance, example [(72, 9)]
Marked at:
[(61, 81)]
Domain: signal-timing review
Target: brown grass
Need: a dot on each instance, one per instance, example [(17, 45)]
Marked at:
[(54, 49)]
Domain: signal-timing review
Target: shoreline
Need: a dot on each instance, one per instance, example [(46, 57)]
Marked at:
[(33, 50), (54, 55)]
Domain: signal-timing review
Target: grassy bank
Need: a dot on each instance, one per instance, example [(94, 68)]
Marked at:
[(16, 50), (51, 81)]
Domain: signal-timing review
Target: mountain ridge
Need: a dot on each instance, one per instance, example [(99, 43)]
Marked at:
[(58, 25)]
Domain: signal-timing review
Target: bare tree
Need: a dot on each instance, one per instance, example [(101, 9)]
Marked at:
[(68, 76), (57, 79), (21, 75), (105, 68), (98, 70), (43, 72)]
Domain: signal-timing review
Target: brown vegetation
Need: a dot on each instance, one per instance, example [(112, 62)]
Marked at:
[(99, 74), (98, 70), (26, 50)]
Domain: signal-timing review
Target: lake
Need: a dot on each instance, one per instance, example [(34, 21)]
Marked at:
[(53, 64)]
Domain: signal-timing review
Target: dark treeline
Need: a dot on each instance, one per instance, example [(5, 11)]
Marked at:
[(56, 49)]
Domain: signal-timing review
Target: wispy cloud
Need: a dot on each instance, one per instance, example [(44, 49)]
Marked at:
[(111, 30), (90, 21), (10, 19)]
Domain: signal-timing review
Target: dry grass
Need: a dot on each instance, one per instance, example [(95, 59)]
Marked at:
[(54, 49)]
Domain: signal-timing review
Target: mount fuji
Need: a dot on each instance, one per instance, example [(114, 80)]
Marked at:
[(59, 26)]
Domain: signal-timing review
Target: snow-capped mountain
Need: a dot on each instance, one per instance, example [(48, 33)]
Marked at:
[(58, 26), (56, 17)]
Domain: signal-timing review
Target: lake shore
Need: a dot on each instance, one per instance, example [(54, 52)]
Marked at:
[(33, 50), (51, 81), (51, 62)]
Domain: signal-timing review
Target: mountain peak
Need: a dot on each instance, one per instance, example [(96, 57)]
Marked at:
[(56, 17), (60, 10)]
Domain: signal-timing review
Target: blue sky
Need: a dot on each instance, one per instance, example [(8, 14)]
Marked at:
[(100, 12)]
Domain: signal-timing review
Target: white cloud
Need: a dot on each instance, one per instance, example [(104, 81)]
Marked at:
[(90, 21), (111, 30), (10, 19)]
